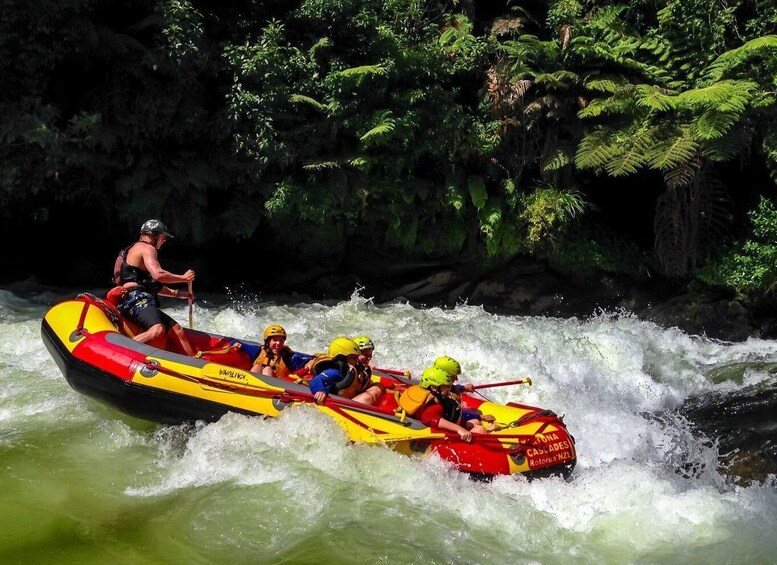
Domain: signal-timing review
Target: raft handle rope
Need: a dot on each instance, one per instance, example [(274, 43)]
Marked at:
[(338, 408), (224, 350)]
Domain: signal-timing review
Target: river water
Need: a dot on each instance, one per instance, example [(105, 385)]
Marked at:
[(83, 483)]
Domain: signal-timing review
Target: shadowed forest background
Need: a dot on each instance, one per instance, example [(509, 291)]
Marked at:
[(286, 141)]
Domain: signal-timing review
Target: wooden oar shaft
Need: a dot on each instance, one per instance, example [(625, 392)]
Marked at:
[(527, 380), (191, 306)]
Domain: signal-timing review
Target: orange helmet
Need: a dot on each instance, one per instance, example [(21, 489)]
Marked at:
[(273, 331)]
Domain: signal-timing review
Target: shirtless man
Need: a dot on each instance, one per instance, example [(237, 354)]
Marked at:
[(138, 271)]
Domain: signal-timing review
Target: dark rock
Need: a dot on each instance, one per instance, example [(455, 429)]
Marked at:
[(703, 314), (524, 287)]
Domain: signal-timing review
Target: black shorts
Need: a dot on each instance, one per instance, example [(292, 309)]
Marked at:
[(143, 308), (151, 315)]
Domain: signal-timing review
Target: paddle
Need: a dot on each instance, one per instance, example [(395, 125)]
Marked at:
[(394, 372), (191, 306), (526, 380), (399, 376)]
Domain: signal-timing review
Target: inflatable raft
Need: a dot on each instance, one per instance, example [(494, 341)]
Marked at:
[(93, 347)]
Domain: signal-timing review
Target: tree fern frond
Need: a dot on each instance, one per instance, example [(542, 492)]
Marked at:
[(609, 85), (594, 150), (454, 194), (361, 162), (628, 161), (592, 50), (714, 125), (620, 103), (321, 43), (735, 57), (385, 127), (655, 98), (723, 96), (557, 79), (302, 99), (528, 43), (558, 160), (547, 102), (321, 165), (682, 175), (607, 18), (358, 74), (730, 146), (672, 152)]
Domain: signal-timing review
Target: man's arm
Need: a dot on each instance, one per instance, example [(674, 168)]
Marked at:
[(159, 274)]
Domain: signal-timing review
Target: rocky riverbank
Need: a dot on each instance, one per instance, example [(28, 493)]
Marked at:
[(526, 287), (522, 287)]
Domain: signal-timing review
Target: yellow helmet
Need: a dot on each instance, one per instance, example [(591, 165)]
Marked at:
[(432, 376), (273, 331), (343, 346), (448, 364), (364, 342)]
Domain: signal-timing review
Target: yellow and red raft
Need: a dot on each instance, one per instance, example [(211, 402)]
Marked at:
[(93, 347)]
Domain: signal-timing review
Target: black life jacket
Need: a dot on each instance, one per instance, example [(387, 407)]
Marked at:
[(123, 272), (349, 385), (451, 409)]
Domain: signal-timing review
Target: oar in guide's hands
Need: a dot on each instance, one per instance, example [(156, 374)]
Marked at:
[(191, 306), (526, 380)]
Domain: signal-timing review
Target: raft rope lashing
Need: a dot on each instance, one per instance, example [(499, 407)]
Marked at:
[(222, 351), (290, 396), (109, 309)]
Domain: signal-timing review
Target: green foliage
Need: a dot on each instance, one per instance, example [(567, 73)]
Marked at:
[(183, 29), (419, 123), (546, 213), (588, 252), (477, 192), (749, 267), (730, 60), (384, 112)]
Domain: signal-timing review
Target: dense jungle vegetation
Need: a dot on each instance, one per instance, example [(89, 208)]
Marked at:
[(308, 135)]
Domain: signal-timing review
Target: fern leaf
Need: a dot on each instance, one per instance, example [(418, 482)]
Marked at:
[(557, 79), (714, 125), (477, 191), (358, 74), (730, 146), (682, 175), (654, 98), (594, 150), (735, 57), (454, 195), (558, 160), (609, 85), (631, 154), (323, 42), (724, 96), (321, 165), (383, 128), (673, 152), (302, 99)]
